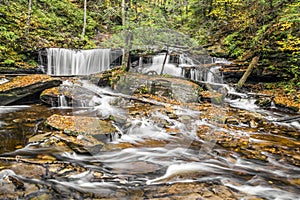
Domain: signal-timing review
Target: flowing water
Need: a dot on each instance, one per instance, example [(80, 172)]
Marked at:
[(79, 62), (181, 152)]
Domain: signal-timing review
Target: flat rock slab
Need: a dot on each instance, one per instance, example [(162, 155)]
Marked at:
[(75, 125), (174, 88), (23, 86)]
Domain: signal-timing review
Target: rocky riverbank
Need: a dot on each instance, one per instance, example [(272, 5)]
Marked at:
[(153, 137)]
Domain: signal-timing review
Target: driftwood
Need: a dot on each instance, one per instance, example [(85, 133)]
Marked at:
[(248, 72), (288, 119)]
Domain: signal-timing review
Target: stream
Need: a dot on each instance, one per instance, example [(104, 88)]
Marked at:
[(153, 156), (234, 150)]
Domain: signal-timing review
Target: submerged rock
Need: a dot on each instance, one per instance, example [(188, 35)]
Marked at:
[(172, 88), (25, 86)]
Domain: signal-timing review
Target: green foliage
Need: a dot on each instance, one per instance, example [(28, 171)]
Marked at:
[(55, 23), (267, 28)]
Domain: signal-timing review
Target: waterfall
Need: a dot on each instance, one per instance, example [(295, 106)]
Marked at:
[(62, 101), (171, 67), (72, 62), (212, 75), (159, 59), (204, 73)]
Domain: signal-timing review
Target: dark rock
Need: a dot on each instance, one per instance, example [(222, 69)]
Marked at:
[(172, 88), (15, 70), (25, 86), (74, 95), (105, 78), (212, 97), (264, 102)]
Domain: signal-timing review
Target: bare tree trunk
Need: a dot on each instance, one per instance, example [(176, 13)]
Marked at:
[(123, 12), (128, 36), (248, 72), (84, 18), (29, 15), (165, 59)]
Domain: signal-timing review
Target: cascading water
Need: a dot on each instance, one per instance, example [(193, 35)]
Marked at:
[(155, 149), (62, 102), (82, 62), (153, 155), (157, 64)]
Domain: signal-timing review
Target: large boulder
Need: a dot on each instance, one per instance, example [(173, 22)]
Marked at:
[(174, 88), (73, 95), (25, 86)]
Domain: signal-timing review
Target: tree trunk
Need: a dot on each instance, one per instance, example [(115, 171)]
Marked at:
[(84, 18), (128, 36), (126, 55), (165, 59), (248, 72), (29, 15), (123, 13)]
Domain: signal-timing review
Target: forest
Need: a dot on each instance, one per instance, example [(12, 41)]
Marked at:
[(235, 29), (150, 99)]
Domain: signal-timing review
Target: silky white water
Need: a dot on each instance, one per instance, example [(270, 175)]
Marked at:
[(77, 62)]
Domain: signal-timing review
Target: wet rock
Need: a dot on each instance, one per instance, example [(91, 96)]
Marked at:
[(172, 88), (212, 97), (80, 125), (82, 143), (25, 86), (191, 191), (66, 143), (264, 102), (234, 71), (69, 95), (233, 121), (107, 77)]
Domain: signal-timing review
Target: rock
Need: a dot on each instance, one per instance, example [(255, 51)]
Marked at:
[(25, 86), (264, 102), (212, 97), (172, 88), (76, 125), (19, 70), (232, 121), (81, 143), (105, 78), (74, 95)]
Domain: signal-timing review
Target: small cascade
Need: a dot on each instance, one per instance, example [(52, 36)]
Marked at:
[(172, 66), (62, 101), (82, 62), (3, 80), (159, 59), (212, 75)]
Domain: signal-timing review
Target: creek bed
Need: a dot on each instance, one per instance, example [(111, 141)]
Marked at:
[(195, 151)]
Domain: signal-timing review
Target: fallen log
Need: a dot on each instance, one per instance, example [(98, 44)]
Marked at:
[(248, 72), (288, 119)]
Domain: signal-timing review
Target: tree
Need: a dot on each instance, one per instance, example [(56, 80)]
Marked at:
[(84, 18), (29, 16)]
